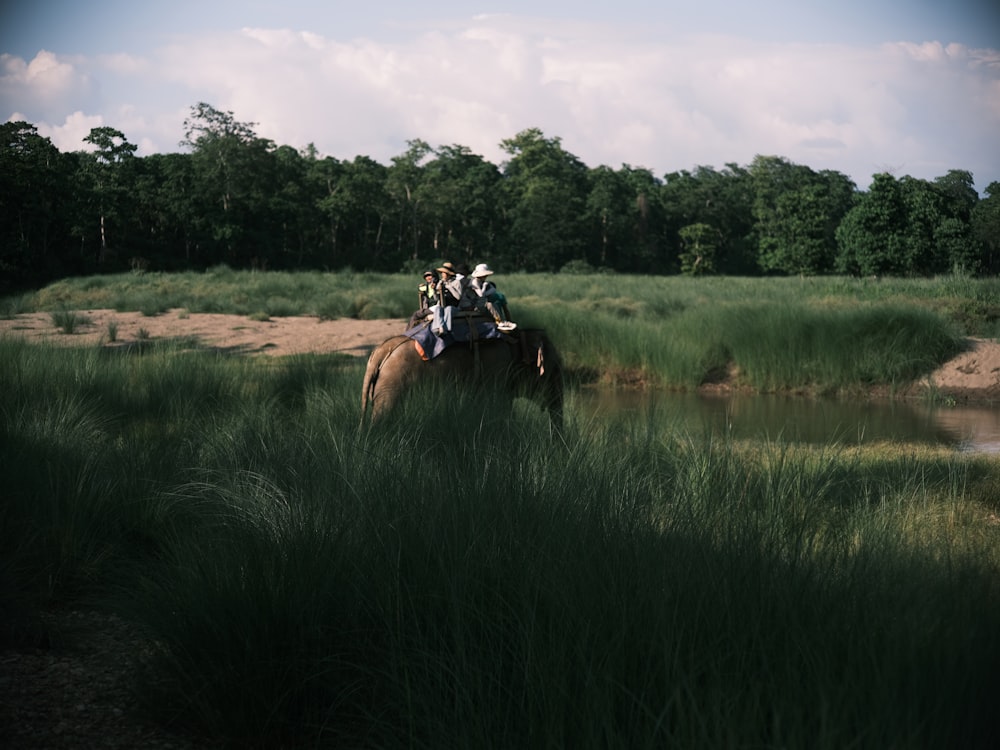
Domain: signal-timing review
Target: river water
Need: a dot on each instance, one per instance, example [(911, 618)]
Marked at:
[(798, 419)]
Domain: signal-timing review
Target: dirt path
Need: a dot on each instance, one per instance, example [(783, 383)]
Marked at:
[(973, 376)]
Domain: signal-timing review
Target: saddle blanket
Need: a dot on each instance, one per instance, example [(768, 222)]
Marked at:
[(429, 346)]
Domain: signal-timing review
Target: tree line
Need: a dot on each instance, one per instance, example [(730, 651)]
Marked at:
[(238, 199)]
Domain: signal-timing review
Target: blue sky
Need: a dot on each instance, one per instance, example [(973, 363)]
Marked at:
[(911, 87)]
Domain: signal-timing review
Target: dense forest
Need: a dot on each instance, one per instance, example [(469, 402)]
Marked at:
[(235, 198)]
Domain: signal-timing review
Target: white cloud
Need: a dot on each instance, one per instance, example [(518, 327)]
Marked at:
[(47, 73), (44, 87), (612, 98), (70, 134)]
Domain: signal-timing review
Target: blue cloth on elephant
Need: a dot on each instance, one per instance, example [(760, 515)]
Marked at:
[(431, 346)]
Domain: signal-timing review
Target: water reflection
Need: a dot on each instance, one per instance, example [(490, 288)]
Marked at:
[(797, 419)]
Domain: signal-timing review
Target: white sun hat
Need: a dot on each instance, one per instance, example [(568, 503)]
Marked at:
[(482, 270)]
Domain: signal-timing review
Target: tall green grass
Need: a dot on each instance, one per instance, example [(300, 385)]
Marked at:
[(222, 290), (824, 335), (304, 582), (972, 303), (772, 347)]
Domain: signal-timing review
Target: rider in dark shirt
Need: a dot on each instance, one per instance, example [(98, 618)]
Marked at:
[(488, 297)]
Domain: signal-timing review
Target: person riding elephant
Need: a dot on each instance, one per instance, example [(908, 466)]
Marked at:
[(426, 298), (490, 299), (453, 293)]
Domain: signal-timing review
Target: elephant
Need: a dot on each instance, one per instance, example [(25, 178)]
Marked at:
[(523, 363)]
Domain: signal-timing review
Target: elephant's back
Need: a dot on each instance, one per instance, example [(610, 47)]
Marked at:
[(387, 347), (397, 350)]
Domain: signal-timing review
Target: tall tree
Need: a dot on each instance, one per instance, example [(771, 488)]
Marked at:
[(643, 252), (722, 199), (911, 226), (870, 237), (460, 193), (609, 212), (403, 186), (796, 212), (326, 178), (985, 222), (167, 185), (361, 198), (698, 246), (232, 167), (626, 219), (292, 213), (546, 189), (958, 190), (34, 184), (954, 233), (919, 243), (109, 169), (938, 233)]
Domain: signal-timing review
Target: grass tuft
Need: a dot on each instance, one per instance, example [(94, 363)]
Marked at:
[(67, 321)]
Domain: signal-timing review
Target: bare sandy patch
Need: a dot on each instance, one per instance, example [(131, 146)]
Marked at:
[(974, 375), (230, 333)]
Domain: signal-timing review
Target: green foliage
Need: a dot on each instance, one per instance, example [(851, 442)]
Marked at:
[(699, 243), (623, 217), (719, 198), (36, 210), (460, 197), (796, 212), (986, 227), (545, 191), (910, 227), (241, 200)]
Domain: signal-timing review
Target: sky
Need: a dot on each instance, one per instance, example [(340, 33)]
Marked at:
[(910, 87)]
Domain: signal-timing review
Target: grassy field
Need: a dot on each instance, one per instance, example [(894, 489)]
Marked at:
[(457, 578), (822, 335)]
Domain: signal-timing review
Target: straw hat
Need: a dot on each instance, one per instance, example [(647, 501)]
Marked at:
[(447, 269)]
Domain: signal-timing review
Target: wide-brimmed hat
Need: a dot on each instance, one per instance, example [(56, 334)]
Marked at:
[(447, 269), (428, 272), (482, 270)]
